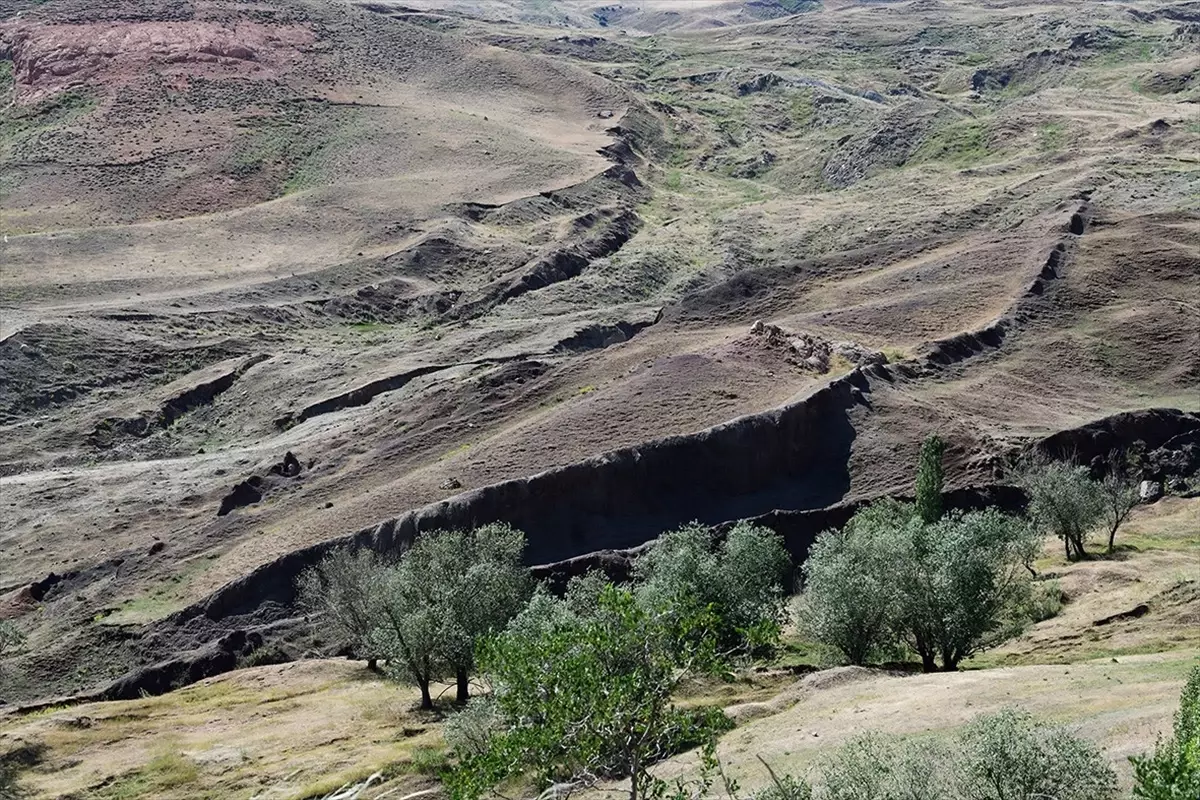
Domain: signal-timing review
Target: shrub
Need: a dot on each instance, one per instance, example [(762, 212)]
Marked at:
[(1064, 501), (740, 578), (1172, 771), (1003, 756), (582, 696), (1011, 756), (876, 767), (850, 592)]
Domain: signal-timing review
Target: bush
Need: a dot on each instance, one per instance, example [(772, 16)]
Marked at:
[(876, 767), (742, 579), (1002, 756), (1064, 501), (584, 695), (1045, 601), (1172, 771), (1011, 756), (850, 593)]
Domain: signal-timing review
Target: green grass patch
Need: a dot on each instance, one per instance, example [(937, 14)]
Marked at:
[(959, 144), (1052, 137), (166, 772), (21, 123), (166, 598), (801, 108), (294, 147)]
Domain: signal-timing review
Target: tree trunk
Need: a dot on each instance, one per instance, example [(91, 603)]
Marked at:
[(1067, 547), (1112, 536), (373, 664), (927, 663), (464, 687), (949, 662), (426, 700)]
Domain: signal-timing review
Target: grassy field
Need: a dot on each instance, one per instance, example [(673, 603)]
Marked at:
[(303, 729)]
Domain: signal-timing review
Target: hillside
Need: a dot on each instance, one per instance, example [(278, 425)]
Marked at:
[(507, 260)]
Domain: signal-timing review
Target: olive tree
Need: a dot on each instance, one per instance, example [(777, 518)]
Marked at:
[(1172, 771), (474, 581), (958, 579), (410, 633), (424, 613), (581, 691), (743, 577), (850, 589), (946, 589), (1064, 501), (1119, 495), (346, 589)]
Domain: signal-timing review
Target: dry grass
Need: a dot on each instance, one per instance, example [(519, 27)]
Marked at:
[(1157, 564), (289, 731)]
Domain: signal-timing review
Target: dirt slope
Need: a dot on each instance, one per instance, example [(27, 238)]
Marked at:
[(429, 253)]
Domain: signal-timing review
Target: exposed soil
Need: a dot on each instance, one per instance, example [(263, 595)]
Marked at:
[(463, 269)]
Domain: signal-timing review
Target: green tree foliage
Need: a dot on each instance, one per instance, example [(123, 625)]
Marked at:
[(851, 593), (1064, 501), (1012, 756), (931, 476), (346, 590), (947, 589), (581, 691), (1004, 756), (411, 631), (958, 580), (1119, 494), (741, 578), (1172, 771), (425, 613), (473, 581)]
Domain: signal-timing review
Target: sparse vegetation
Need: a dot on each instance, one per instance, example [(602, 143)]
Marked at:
[(11, 638), (739, 577), (959, 144), (1063, 501), (424, 614), (1172, 771), (1004, 756)]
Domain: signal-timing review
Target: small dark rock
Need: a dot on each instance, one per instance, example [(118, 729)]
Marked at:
[(244, 494)]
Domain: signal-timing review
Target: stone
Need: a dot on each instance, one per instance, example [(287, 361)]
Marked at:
[(1149, 491)]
